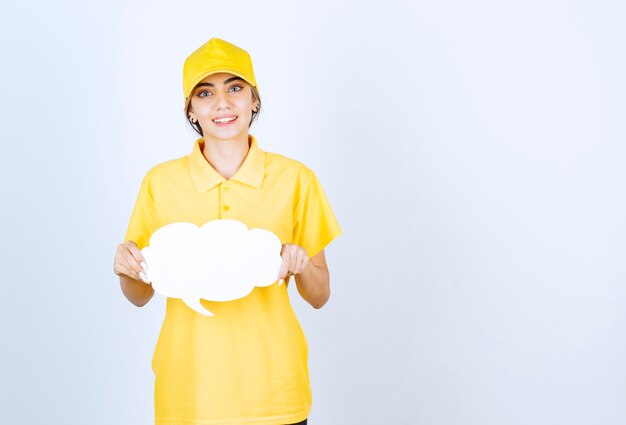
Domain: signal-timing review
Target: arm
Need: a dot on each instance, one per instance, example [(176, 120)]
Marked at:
[(312, 277), (136, 291), (313, 282)]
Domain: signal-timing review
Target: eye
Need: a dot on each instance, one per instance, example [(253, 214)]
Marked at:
[(203, 93), (239, 88)]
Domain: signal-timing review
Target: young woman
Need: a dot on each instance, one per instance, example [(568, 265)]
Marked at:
[(248, 363)]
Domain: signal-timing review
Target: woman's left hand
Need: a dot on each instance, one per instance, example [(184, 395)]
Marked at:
[(295, 260)]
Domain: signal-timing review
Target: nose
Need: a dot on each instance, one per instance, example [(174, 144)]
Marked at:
[(221, 101)]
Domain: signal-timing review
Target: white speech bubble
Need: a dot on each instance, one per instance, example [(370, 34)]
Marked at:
[(222, 260)]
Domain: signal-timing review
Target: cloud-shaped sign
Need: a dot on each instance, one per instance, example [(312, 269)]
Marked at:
[(222, 260)]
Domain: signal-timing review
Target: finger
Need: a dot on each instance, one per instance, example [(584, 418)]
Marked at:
[(133, 265), (118, 269), (120, 265), (140, 259), (284, 270), (284, 267), (126, 265), (296, 264), (136, 252), (123, 269), (300, 264), (293, 265)]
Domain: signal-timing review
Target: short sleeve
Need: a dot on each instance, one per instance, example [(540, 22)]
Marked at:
[(142, 220), (315, 225)]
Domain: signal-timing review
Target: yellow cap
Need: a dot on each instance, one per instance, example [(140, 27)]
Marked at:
[(215, 56)]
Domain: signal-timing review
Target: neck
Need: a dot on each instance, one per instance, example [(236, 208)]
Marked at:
[(226, 155)]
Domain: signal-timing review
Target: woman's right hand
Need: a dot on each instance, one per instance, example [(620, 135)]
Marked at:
[(129, 261)]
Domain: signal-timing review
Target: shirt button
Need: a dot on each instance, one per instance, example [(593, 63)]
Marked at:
[(226, 207), (226, 187)]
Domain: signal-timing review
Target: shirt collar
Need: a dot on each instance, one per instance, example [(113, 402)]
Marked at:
[(205, 177)]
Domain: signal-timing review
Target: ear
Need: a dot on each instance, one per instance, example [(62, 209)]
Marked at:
[(255, 106), (191, 114)]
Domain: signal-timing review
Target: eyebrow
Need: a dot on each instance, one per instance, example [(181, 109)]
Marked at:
[(228, 80)]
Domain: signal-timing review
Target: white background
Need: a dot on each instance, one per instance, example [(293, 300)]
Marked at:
[(474, 155)]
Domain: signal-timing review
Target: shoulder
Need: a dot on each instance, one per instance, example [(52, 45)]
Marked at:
[(167, 170), (286, 167)]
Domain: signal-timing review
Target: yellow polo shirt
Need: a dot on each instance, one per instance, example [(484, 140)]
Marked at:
[(248, 363)]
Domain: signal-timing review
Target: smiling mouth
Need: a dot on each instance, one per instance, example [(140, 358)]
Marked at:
[(224, 121)]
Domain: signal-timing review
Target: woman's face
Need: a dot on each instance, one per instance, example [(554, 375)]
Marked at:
[(222, 104)]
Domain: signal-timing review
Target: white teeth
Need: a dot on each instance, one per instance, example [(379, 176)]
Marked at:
[(224, 120)]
